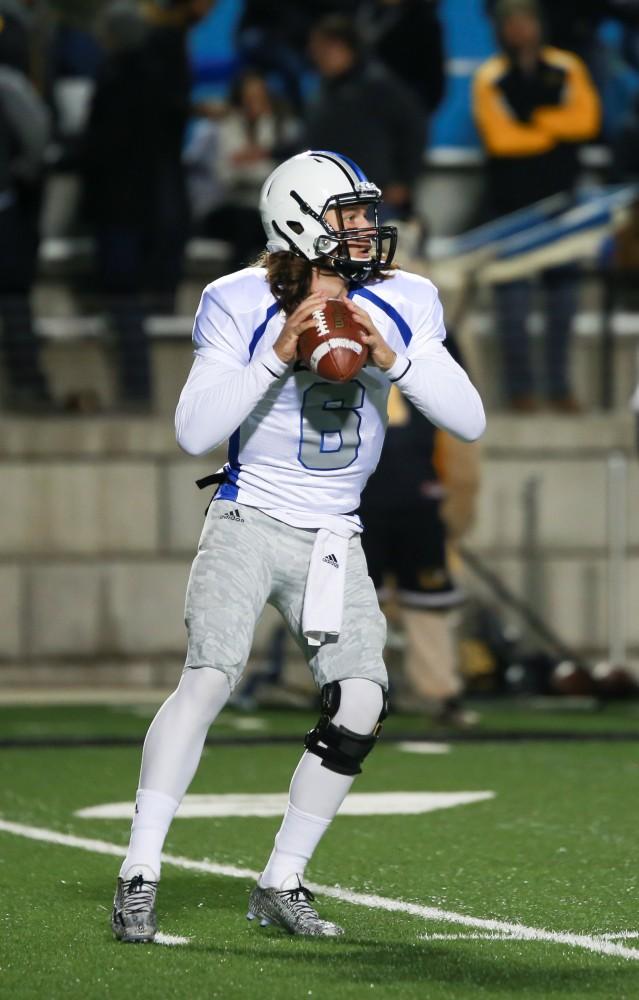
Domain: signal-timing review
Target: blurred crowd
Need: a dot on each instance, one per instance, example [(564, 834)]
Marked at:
[(104, 90)]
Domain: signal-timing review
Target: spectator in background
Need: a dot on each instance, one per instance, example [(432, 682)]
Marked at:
[(625, 149), (421, 496), (533, 106), (611, 54), (74, 59), (619, 260), (273, 40), (573, 26), (24, 131), (624, 243), (366, 112), (135, 191), (16, 32), (248, 139), (567, 24), (407, 37)]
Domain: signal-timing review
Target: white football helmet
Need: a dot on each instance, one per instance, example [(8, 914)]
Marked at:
[(295, 200)]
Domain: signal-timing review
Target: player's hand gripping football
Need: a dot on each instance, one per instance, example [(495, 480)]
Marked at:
[(379, 353), (301, 319)]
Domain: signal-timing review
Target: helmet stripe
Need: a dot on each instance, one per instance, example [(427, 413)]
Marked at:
[(339, 160), (361, 176)]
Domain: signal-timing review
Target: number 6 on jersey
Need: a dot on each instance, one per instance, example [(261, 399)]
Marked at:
[(330, 422)]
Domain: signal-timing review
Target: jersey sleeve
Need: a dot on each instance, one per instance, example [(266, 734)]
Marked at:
[(427, 321), (225, 383), (216, 332), (427, 374)]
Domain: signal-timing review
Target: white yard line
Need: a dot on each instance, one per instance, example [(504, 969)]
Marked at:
[(599, 944), (473, 936), (423, 746), (355, 804), (171, 939)]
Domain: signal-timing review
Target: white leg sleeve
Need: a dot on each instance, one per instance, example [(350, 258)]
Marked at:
[(316, 793), (174, 742), (172, 751)]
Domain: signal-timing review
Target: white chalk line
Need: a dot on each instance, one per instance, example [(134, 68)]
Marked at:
[(170, 939), (262, 804), (599, 944), (475, 936), (422, 746), (503, 936)]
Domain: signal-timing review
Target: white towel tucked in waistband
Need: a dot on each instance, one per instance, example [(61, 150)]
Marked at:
[(324, 594)]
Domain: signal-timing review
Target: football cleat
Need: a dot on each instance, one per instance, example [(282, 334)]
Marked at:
[(290, 908), (133, 918)]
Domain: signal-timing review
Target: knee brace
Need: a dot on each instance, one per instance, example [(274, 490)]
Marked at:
[(341, 749)]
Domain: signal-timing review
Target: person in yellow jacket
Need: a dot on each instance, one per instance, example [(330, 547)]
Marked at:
[(533, 105)]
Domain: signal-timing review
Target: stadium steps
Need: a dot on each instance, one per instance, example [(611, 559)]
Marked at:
[(102, 520)]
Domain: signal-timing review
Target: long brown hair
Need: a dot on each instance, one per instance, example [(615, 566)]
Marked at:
[(290, 276)]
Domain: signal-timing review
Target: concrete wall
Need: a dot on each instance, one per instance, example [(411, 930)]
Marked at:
[(101, 519)]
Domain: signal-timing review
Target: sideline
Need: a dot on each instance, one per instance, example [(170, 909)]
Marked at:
[(599, 944), (398, 740)]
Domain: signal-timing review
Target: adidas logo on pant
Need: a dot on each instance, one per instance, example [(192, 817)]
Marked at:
[(233, 515), (331, 560)]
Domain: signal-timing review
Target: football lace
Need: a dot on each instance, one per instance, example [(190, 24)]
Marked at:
[(320, 322)]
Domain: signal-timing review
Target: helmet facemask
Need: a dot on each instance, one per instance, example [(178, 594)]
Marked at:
[(336, 245)]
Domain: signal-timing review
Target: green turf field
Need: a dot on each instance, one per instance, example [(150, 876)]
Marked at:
[(529, 893)]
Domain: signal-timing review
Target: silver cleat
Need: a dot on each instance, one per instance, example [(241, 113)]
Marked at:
[(133, 918), (291, 909)]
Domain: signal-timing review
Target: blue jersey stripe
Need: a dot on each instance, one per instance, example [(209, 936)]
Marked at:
[(259, 332), (405, 331), (228, 491), (234, 449)]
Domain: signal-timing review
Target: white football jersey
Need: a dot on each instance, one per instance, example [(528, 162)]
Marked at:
[(307, 447)]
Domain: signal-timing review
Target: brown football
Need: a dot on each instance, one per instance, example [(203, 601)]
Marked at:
[(333, 348)]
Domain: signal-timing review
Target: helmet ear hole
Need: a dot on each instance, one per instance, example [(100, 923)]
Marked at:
[(295, 227)]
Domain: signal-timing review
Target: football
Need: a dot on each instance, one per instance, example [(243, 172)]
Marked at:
[(333, 348)]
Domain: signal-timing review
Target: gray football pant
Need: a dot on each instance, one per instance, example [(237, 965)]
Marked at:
[(244, 562)]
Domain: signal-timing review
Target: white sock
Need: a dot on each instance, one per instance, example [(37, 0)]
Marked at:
[(154, 813), (298, 837), (316, 792)]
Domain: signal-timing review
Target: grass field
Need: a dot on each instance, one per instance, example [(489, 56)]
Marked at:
[(531, 892)]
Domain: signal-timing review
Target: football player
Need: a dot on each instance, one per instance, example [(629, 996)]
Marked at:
[(283, 526)]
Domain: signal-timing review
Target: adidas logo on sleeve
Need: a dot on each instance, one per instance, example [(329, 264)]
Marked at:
[(233, 515), (331, 560)]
